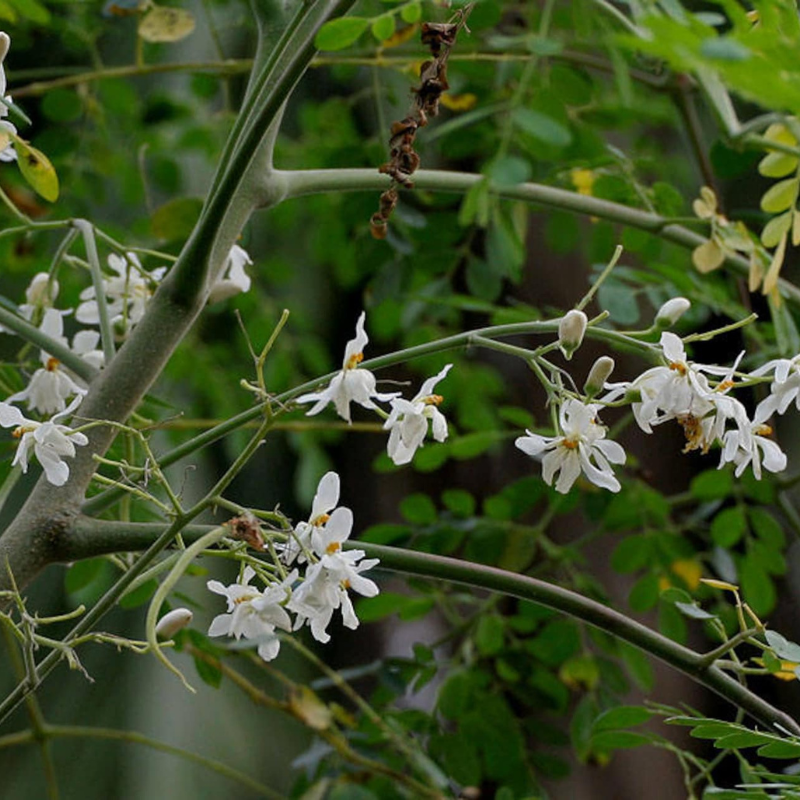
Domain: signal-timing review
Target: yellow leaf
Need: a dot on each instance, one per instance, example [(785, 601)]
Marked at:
[(459, 102), (36, 169), (774, 271), (708, 256), (309, 709), (756, 272), (785, 673), (400, 37), (161, 24), (715, 584), (778, 132), (688, 569), (795, 228), (777, 165)]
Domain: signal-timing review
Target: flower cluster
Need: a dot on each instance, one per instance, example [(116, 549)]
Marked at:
[(331, 570), (7, 151), (407, 421), (52, 386)]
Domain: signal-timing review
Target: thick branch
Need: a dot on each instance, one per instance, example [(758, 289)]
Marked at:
[(307, 182), (93, 537)]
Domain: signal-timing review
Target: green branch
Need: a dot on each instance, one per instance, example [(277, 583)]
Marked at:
[(306, 182), (698, 666)]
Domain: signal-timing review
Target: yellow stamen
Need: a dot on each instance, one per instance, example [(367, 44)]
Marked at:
[(319, 521), (333, 547), (678, 366), (19, 432), (354, 360), (763, 430), (244, 599), (52, 364), (571, 444), (433, 400), (725, 385)]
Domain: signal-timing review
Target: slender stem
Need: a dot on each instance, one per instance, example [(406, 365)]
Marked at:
[(712, 655), (87, 732), (106, 330)]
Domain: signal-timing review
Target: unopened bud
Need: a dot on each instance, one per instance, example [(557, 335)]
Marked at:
[(598, 375), (570, 331), (672, 311), (172, 622), (5, 43), (37, 295)]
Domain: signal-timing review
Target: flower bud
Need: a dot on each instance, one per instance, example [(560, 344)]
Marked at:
[(570, 331), (598, 375), (672, 311), (5, 43), (172, 622), (37, 293)]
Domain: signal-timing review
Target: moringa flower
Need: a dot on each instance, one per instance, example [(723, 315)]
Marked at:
[(351, 384), (408, 422), (581, 447), (50, 441), (325, 500)]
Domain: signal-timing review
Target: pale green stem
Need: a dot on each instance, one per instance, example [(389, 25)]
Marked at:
[(106, 329)]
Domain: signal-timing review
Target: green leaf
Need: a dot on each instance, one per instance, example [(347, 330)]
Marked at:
[(418, 509), (508, 171), (780, 750), (489, 634), (631, 554), (175, 220), (729, 526), (454, 696), (781, 196), (757, 587), (82, 573), (619, 740), (694, 611), (411, 13), (32, 10), (644, 594), (622, 717), (459, 501), (542, 127), (767, 528), (383, 27), (208, 673), (724, 49), (140, 595), (339, 33)]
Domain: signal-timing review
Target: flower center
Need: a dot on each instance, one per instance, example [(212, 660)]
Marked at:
[(725, 385), (244, 599), (333, 547), (52, 364), (693, 430), (433, 400), (763, 430), (319, 521), (571, 442), (354, 360), (678, 366), (19, 432)]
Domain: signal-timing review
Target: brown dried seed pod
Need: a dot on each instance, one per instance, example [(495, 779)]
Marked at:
[(388, 201), (248, 530), (378, 226), (437, 35)]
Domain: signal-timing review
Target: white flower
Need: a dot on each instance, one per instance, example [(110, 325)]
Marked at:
[(571, 330), (351, 384), (40, 294), (51, 385), (325, 501), (680, 389), (784, 390), (750, 446), (582, 447), (127, 292), (50, 442), (172, 622), (254, 614), (233, 278), (324, 589), (408, 421), (7, 153), (672, 311)]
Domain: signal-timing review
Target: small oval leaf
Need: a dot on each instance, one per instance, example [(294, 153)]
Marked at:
[(781, 196), (777, 165), (36, 169), (776, 229), (162, 24), (383, 27), (340, 33)]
